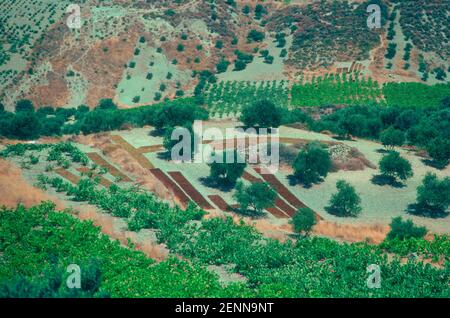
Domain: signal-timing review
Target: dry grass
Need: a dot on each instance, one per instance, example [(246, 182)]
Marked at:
[(352, 233), (14, 189)]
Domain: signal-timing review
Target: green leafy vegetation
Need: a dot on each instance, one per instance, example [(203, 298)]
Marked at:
[(335, 89), (403, 230), (49, 241), (433, 197), (312, 164), (303, 220), (229, 97), (415, 94), (392, 137), (420, 126), (393, 167), (29, 124), (266, 263), (254, 198), (262, 114), (345, 202), (343, 89), (223, 172)]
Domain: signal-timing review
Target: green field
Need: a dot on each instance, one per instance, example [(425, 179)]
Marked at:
[(38, 244), (352, 90), (227, 98), (415, 94), (335, 89)]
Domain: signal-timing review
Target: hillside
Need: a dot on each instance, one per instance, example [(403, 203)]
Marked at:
[(140, 52)]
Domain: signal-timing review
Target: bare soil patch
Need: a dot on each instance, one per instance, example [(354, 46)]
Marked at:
[(14, 189)]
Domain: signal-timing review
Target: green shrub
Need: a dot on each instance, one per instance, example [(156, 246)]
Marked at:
[(312, 164), (345, 202), (303, 220), (263, 114), (403, 230), (253, 199), (255, 36), (394, 166)]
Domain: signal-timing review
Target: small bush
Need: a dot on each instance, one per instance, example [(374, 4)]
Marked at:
[(403, 230), (303, 221)]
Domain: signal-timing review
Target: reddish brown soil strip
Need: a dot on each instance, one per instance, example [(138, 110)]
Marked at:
[(285, 193), (281, 208), (68, 175), (154, 148), (103, 181), (220, 202), (172, 186), (286, 208), (95, 157), (196, 196), (277, 212), (144, 162), (251, 178)]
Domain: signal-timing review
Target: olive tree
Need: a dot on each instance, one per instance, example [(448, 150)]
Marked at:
[(346, 202), (312, 164), (254, 198)]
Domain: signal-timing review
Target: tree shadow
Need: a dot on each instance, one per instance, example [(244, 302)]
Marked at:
[(335, 212), (157, 132), (434, 164), (426, 211), (382, 150), (164, 155), (293, 181), (342, 138), (216, 184), (383, 180), (250, 213)]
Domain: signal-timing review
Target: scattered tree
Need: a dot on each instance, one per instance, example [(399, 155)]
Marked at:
[(262, 114), (403, 230), (312, 164), (393, 166), (219, 44), (439, 151), (433, 196), (392, 137), (303, 220), (346, 202), (222, 66), (255, 36), (169, 143), (256, 197), (225, 173)]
